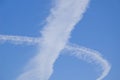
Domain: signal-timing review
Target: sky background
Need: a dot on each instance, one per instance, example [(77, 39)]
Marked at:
[(99, 30)]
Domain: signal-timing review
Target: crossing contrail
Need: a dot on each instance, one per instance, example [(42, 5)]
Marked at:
[(19, 39), (91, 56), (65, 14)]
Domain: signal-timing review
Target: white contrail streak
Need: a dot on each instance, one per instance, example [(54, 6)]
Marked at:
[(19, 39), (78, 51), (64, 16), (91, 56), (83, 53)]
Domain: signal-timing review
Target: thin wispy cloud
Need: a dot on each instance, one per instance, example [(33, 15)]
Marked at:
[(65, 14)]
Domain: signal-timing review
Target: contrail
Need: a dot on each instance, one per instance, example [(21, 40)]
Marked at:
[(91, 56), (19, 39), (64, 15), (80, 52)]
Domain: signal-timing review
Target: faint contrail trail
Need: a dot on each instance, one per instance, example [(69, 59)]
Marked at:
[(64, 15), (19, 39), (80, 52), (91, 56)]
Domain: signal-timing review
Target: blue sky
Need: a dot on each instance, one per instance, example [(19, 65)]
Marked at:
[(99, 30)]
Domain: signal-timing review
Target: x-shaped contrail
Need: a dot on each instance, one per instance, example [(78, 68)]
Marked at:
[(64, 16)]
